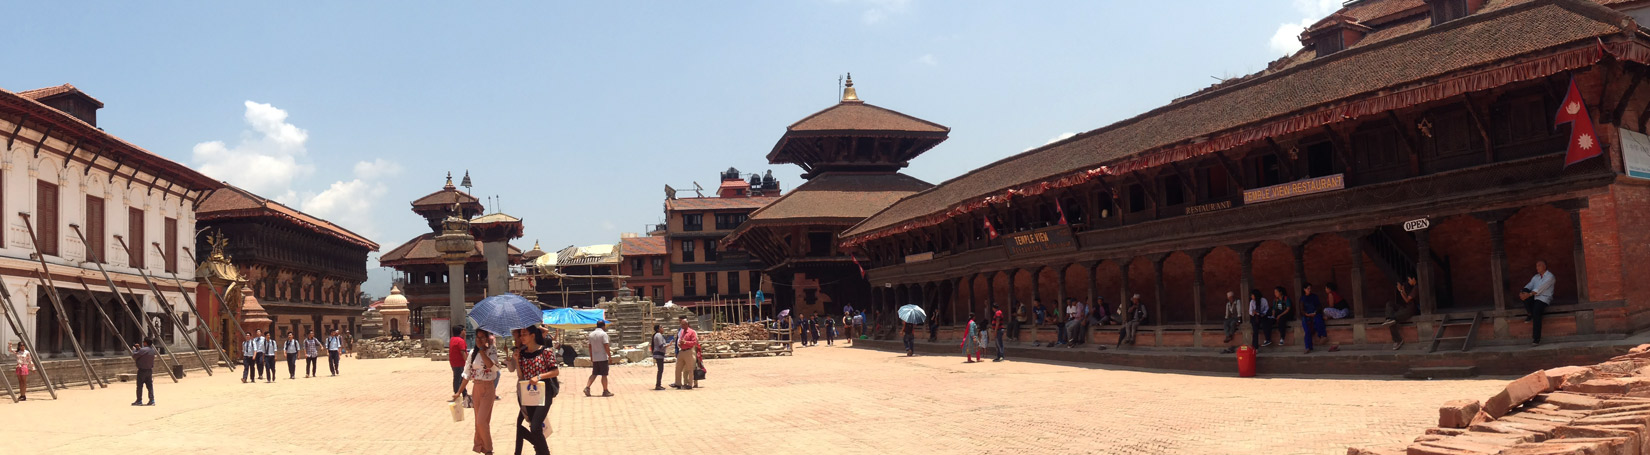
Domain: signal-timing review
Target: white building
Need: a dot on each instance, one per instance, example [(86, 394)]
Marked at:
[(64, 171)]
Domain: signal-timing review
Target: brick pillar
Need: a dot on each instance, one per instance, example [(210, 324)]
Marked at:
[(1299, 252), (1123, 266), (1246, 262), (1197, 294), (1580, 256), (1498, 275), (1423, 280)]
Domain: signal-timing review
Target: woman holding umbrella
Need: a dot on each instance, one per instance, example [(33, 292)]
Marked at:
[(533, 361)]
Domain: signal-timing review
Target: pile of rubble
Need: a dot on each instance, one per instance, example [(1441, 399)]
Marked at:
[(387, 348), (740, 332), (1598, 409)]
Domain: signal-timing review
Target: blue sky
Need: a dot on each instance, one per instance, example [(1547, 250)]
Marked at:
[(578, 114)]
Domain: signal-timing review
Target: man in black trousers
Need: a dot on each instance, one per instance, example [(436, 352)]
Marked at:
[(145, 357), (248, 348)]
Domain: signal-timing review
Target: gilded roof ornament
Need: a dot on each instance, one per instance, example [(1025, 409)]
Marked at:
[(848, 93)]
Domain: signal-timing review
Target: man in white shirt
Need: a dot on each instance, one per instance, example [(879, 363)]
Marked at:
[(601, 349), (291, 349), (335, 347), (1537, 295), (271, 346), (1234, 316), (258, 353), (247, 350)]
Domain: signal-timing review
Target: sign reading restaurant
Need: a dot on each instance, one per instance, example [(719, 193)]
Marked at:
[(1045, 240), (1295, 188)]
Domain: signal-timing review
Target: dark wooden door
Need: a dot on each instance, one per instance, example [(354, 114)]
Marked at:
[(45, 224)]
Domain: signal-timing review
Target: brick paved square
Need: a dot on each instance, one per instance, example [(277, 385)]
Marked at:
[(822, 400)]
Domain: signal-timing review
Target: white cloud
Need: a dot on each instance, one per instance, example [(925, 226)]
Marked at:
[(608, 225), (1286, 40), (1056, 138), (928, 59), (376, 169), (272, 157), (877, 11), (267, 159)]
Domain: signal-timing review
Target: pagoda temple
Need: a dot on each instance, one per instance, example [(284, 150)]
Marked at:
[(421, 266), (851, 154)]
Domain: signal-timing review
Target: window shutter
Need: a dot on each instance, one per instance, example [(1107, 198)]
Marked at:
[(134, 235), (46, 221), (94, 230), (171, 242)]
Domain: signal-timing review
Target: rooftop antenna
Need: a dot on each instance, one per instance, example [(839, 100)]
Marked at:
[(838, 95), (699, 190)]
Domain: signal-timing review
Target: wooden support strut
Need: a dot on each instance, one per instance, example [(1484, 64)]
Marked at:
[(1480, 122), (142, 324), (1283, 158), (169, 353), (92, 379), (70, 159), (160, 299), (110, 322), (12, 139), (23, 337), (1621, 103), (42, 142), (92, 162)]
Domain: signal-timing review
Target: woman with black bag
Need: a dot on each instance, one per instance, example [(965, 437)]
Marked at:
[(534, 363)]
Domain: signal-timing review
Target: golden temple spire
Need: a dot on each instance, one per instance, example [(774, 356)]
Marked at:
[(449, 184), (848, 94)]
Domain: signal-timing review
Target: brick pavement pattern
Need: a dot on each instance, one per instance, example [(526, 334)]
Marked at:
[(821, 400)]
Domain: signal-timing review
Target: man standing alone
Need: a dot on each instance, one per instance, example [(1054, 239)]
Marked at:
[(657, 345), (456, 349), (601, 349), (1537, 295), (687, 348), (145, 358)]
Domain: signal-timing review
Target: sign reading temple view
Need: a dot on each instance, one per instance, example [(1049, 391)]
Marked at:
[(1045, 240), (1295, 188)]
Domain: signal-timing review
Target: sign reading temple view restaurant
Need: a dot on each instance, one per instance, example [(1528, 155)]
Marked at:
[(1045, 240), (1295, 188)]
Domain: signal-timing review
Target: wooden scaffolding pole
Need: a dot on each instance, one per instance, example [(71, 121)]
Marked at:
[(106, 320), (143, 324), (92, 380), (23, 337), (160, 299), (202, 327)]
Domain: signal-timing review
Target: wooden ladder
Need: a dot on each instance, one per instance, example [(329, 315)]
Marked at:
[(1447, 322)]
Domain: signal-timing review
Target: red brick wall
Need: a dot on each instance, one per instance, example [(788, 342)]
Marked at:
[(1142, 280), (1541, 232), (1464, 242), (1328, 259), (1077, 282), (1274, 266), (1222, 273), (1177, 289), (1110, 281), (1616, 231)]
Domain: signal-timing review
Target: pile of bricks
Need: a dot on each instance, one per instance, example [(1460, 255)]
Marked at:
[(1602, 409)]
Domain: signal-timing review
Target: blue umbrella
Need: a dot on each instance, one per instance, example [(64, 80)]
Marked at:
[(912, 314), (505, 312)]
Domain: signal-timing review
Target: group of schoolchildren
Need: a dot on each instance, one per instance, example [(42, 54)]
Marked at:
[(259, 352)]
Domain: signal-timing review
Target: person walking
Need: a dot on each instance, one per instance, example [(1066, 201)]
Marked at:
[(971, 340), (601, 352), (457, 351), (687, 355), (291, 349), (335, 346), (271, 346), (657, 344), (910, 338), (1400, 310), (481, 368), (23, 365), (934, 327), (534, 362), (997, 331), (258, 343), (248, 349), (830, 331), (312, 349), (1536, 296), (144, 356)]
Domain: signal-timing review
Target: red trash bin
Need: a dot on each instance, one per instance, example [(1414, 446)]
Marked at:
[(1246, 361)]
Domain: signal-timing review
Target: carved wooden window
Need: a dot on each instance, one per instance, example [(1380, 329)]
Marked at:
[(1174, 193), (756, 280), (711, 285), (45, 224), (658, 264), (819, 244), (1519, 126), (1455, 141), (1216, 184), (1448, 10), (710, 250), (1268, 170)]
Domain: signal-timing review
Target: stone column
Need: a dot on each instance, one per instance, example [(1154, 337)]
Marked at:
[(1123, 266), (498, 267), (1580, 256), (1423, 280), (1498, 274), (455, 244), (1246, 263), (1299, 252), (1197, 295), (455, 297), (1355, 289)]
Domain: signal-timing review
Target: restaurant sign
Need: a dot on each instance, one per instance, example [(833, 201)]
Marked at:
[(1295, 188), (1046, 240), (919, 257)]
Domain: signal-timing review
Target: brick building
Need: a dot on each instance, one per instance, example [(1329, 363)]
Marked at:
[(304, 271), (1308, 171), (646, 262), (700, 269), (577, 276), (851, 154)]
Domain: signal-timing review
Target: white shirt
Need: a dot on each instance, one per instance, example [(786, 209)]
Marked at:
[(258, 345), (269, 347), (1542, 286), (475, 369), (598, 345), (1234, 309), (1071, 312), (334, 343), (248, 348), (1259, 308), (292, 346)]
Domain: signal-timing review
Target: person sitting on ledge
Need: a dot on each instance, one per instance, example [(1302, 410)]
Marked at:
[(1399, 311), (1337, 309), (1136, 315)]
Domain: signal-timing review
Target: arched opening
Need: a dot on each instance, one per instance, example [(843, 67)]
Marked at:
[(1461, 276), (1222, 273), (1177, 289)]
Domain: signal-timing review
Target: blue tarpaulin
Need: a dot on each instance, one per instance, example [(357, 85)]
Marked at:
[(573, 318)]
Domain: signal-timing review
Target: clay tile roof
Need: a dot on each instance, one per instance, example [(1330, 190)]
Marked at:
[(842, 195), (48, 92), (494, 218), (857, 116), (719, 203), (1479, 39), (642, 246), (1372, 10), (110, 146), (421, 250), (446, 196), (234, 202)]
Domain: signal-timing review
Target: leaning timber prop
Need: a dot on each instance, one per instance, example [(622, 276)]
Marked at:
[(229, 314), (108, 322), (160, 299), (23, 336), (147, 329), (92, 379), (202, 327), (10, 392)]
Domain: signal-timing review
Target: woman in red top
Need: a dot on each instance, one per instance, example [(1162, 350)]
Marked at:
[(534, 363)]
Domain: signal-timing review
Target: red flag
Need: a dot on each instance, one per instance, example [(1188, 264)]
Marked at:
[(1583, 142), (856, 264), (1057, 206), (990, 230)]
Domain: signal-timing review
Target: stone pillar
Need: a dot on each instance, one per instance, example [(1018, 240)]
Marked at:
[(455, 298), (1423, 280), (498, 267), (1299, 252), (1498, 275), (1246, 263), (1197, 295), (1355, 289), (1123, 266), (1580, 255)]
